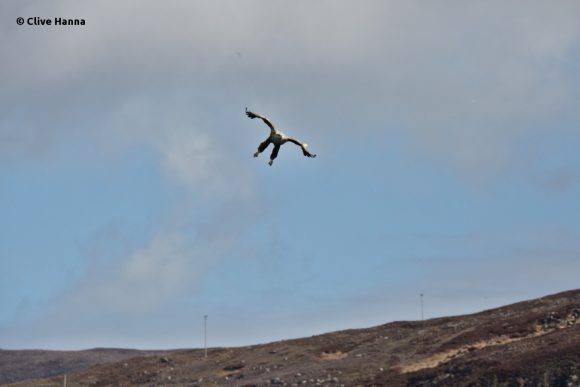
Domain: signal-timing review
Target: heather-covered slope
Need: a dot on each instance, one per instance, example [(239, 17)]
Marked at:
[(529, 343)]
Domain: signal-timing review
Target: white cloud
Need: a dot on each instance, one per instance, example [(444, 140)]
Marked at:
[(141, 282), (199, 159)]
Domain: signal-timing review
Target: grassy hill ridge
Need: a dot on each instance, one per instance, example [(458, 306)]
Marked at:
[(534, 342)]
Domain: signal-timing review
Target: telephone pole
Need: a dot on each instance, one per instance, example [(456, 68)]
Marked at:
[(422, 307), (205, 335)]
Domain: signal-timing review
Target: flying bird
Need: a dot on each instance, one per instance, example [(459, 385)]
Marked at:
[(277, 138)]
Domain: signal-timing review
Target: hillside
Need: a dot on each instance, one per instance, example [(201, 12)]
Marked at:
[(529, 343), (31, 364)]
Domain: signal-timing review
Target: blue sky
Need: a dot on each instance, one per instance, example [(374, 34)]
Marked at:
[(131, 205)]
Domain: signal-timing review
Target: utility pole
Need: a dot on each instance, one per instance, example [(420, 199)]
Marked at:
[(422, 307), (205, 335)]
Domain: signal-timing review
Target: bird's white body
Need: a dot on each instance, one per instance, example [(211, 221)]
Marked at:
[(278, 138)]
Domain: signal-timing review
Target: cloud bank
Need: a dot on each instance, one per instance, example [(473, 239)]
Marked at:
[(466, 81)]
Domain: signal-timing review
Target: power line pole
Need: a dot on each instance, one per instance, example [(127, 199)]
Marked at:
[(422, 307), (205, 335)]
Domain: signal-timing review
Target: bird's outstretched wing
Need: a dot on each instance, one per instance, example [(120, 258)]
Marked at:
[(266, 121), (306, 152), (304, 147)]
